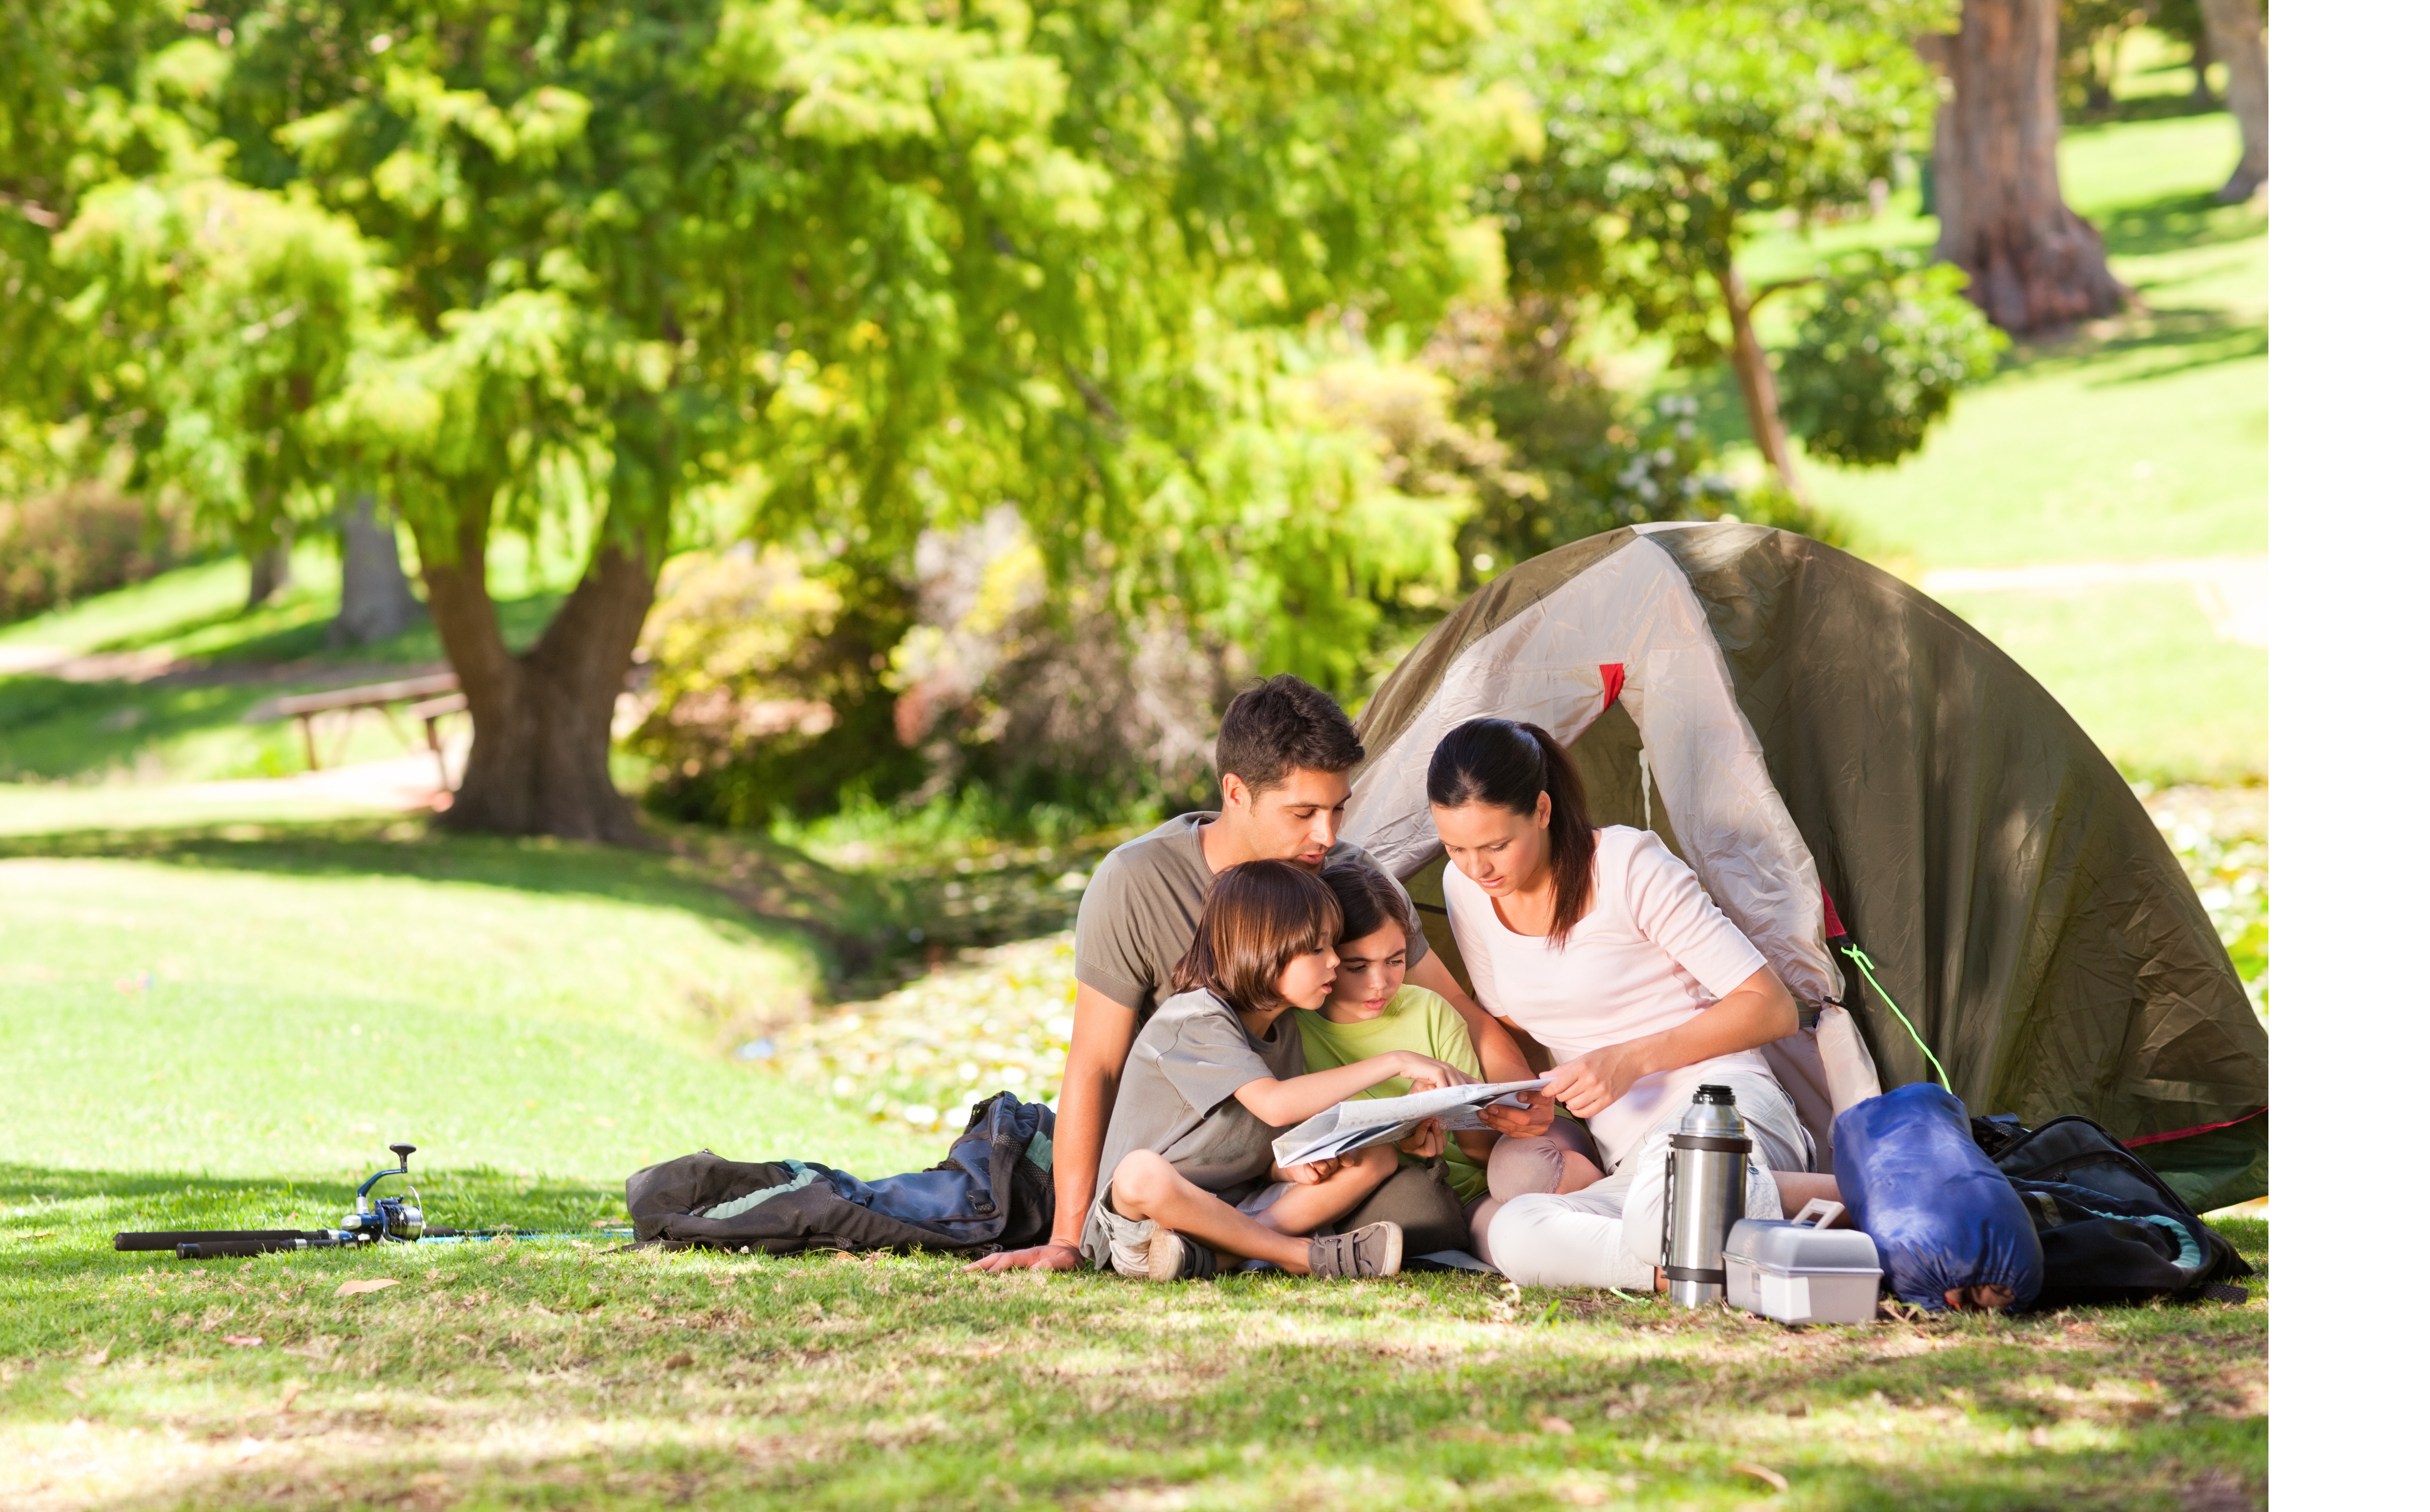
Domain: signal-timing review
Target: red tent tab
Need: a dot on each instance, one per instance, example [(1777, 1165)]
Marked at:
[(1832, 927), (1613, 676)]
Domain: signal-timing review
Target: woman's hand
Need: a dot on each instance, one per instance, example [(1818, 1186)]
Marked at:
[(1425, 1072), (1308, 1174), (1427, 1141), (1520, 1123), (1596, 1080)]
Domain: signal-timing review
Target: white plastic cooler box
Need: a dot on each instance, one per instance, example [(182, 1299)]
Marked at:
[(1799, 1271)]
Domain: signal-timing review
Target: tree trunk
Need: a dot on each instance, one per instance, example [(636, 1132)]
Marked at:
[(375, 597), (2032, 264), (2204, 99), (2235, 27), (1755, 386), (541, 718), (269, 573)]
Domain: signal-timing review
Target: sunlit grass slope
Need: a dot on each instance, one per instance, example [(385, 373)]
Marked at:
[(2141, 438), (226, 661), (285, 1010)]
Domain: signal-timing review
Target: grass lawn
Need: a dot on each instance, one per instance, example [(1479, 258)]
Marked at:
[(190, 726), (206, 1032), (2144, 437)]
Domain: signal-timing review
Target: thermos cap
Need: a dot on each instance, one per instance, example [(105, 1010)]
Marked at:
[(1711, 1093)]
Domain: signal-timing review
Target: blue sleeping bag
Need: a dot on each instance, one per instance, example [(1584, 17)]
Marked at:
[(1938, 1211)]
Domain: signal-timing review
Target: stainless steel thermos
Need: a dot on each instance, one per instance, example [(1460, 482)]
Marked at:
[(1704, 1194)]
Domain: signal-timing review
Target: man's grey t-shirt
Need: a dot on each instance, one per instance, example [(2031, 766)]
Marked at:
[(1143, 907), (1176, 1100)]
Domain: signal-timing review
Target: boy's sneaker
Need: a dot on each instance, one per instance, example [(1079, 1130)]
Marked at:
[(1172, 1256), (1372, 1251)]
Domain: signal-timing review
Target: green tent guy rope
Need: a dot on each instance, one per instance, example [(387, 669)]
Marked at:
[(1865, 964)]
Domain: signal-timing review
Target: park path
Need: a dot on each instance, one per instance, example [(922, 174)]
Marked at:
[(2234, 592)]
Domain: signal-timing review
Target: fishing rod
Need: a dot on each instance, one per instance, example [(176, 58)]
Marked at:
[(391, 1219)]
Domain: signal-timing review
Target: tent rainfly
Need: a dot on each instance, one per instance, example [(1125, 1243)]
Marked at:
[(1804, 731)]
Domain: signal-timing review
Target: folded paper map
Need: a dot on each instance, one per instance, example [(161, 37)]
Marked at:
[(1365, 1121)]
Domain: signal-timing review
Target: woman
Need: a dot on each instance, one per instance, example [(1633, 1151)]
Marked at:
[(1602, 945)]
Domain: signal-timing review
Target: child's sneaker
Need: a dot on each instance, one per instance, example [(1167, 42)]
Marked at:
[(1372, 1251), (1172, 1256)]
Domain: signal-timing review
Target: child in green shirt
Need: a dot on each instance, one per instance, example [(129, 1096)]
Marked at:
[(1371, 1012)]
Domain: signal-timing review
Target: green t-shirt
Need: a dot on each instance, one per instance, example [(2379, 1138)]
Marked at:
[(1415, 1019)]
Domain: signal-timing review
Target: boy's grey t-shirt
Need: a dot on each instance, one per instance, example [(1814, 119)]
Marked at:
[(1143, 907), (1176, 1100)]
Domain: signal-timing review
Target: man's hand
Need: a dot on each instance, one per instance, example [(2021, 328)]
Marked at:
[(1037, 1257), (1310, 1173), (1594, 1081), (1426, 1142)]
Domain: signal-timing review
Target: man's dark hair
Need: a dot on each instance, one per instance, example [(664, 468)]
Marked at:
[(1259, 915), (1281, 725)]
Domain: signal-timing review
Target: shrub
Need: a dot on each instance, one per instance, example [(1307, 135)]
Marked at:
[(76, 541), (1880, 357), (764, 692), (1878, 361)]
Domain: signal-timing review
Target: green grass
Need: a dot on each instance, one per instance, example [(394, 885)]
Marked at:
[(207, 1032), (2144, 437), (234, 1008), (190, 725)]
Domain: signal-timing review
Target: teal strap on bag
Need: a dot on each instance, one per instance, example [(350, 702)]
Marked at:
[(803, 1176), (1865, 964)]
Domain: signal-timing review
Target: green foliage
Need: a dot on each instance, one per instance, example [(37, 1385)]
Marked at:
[(1880, 356), (1570, 455), (216, 320), (1673, 131), (764, 693)]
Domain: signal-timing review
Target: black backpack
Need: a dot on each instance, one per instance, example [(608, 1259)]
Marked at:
[(2110, 1229), (993, 1191)]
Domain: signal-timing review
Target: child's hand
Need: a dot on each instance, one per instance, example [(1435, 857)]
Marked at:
[(1425, 1072), (1310, 1173), (1426, 1142)]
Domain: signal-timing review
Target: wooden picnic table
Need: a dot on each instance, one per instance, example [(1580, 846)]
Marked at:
[(430, 697)]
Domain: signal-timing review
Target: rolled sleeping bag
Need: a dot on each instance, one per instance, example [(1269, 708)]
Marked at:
[(1940, 1212)]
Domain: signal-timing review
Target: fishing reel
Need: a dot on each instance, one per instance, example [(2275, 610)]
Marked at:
[(386, 1218), (375, 1220)]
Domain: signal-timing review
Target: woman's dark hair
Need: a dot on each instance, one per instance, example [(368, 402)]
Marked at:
[(1368, 898), (1258, 917), (1507, 763)]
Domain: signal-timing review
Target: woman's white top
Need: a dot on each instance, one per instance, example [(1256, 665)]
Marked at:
[(1651, 954)]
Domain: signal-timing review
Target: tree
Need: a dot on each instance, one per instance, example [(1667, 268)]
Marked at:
[(847, 268), (2033, 265), (2235, 29), (375, 597), (1673, 133), (214, 323)]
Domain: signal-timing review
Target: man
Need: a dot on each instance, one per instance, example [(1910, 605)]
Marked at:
[(1285, 750)]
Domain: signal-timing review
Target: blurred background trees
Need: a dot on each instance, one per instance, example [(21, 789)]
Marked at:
[(921, 404)]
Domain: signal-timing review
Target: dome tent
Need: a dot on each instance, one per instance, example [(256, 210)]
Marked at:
[(1804, 731)]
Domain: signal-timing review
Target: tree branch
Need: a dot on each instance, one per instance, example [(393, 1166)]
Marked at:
[(1771, 289)]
